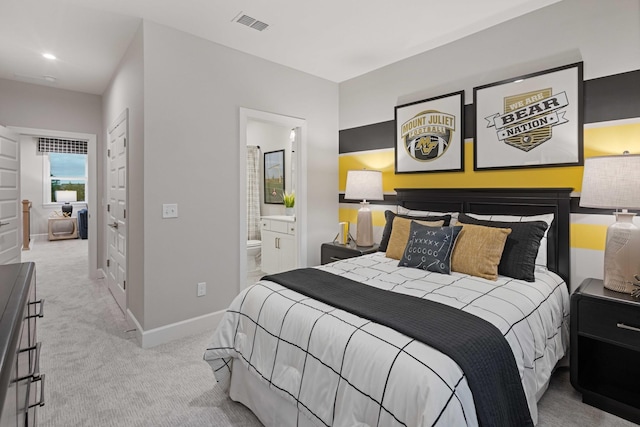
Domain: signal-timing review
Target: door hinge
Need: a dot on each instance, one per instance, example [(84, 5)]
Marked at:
[(108, 152), (108, 263), (124, 284), (108, 207), (125, 213), (125, 142)]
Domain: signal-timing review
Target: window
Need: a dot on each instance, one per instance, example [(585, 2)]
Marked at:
[(64, 168)]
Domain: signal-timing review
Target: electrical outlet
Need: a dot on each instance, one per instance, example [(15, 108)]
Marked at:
[(170, 210), (202, 289)]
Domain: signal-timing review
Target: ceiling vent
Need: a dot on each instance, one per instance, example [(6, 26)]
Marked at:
[(250, 22)]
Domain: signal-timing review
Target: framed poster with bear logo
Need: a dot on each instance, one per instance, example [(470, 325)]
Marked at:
[(530, 121)]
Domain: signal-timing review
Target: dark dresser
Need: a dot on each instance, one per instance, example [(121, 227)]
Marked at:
[(21, 383)]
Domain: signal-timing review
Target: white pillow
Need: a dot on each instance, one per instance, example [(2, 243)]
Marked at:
[(409, 212), (541, 258)]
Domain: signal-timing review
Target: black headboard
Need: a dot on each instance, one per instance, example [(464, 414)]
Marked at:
[(506, 201)]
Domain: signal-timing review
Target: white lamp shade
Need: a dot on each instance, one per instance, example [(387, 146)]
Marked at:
[(611, 182), (364, 185), (66, 196)]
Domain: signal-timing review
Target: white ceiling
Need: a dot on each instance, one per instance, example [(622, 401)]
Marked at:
[(333, 39)]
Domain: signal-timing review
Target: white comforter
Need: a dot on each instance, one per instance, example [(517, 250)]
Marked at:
[(342, 370)]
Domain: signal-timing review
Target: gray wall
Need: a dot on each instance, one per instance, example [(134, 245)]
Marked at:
[(603, 34), (188, 154)]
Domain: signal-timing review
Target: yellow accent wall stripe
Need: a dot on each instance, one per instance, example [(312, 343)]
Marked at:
[(588, 236), (609, 140), (598, 141), (531, 178)]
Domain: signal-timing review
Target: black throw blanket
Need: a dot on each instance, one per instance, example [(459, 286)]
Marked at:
[(476, 345)]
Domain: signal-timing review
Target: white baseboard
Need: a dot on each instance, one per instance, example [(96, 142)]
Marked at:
[(184, 328)]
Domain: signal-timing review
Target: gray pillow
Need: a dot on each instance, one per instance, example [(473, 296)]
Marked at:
[(430, 248)]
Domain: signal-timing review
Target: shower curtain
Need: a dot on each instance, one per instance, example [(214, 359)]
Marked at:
[(253, 193)]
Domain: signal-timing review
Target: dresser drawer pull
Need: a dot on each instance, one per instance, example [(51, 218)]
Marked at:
[(631, 328), (35, 367), (41, 314), (41, 402)]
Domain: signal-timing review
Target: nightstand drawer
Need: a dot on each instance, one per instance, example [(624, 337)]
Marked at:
[(617, 323)]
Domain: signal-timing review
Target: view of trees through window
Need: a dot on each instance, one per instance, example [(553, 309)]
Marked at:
[(68, 172)]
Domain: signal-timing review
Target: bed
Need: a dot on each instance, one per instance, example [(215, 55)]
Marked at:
[(295, 357)]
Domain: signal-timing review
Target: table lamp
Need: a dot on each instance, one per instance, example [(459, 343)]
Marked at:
[(66, 196), (362, 185), (613, 182)]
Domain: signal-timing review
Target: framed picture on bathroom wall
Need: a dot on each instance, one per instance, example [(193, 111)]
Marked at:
[(274, 177)]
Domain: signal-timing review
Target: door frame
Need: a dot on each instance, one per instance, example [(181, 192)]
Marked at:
[(92, 203), (10, 135), (247, 114)]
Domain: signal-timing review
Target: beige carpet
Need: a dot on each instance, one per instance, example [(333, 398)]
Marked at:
[(97, 375)]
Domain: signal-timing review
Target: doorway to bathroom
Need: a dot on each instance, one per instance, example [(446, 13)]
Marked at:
[(262, 132)]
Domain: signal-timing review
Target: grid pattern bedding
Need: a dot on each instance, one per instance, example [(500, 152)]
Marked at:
[(339, 369)]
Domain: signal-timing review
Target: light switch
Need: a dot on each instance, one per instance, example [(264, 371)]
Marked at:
[(170, 210)]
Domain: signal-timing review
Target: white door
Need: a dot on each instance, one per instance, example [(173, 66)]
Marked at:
[(9, 193), (117, 210)]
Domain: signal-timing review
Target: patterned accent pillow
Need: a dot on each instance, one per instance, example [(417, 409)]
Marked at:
[(400, 235), (388, 228), (521, 248), (478, 250), (430, 248)]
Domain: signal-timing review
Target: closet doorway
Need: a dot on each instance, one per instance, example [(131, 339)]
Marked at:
[(296, 165)]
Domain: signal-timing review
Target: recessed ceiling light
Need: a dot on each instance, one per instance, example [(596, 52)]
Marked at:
[(49, 56)]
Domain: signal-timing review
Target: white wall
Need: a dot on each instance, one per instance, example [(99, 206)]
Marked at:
[(271, 137), (192, 90), (603, 34)]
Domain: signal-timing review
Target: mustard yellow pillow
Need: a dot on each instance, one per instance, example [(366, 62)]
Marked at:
[(478, 250), (400, 235)]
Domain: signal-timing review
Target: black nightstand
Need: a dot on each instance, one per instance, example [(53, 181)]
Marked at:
[(605, 349), (331, 252)]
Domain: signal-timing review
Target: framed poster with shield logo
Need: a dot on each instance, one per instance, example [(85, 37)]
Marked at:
[(530, 121), (429, 135)]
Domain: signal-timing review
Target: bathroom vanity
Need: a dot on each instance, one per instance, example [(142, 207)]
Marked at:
[(279, 243)]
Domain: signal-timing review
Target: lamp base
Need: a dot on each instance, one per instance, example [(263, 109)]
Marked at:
[(622, 254), (67, 209), (364, 234)]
